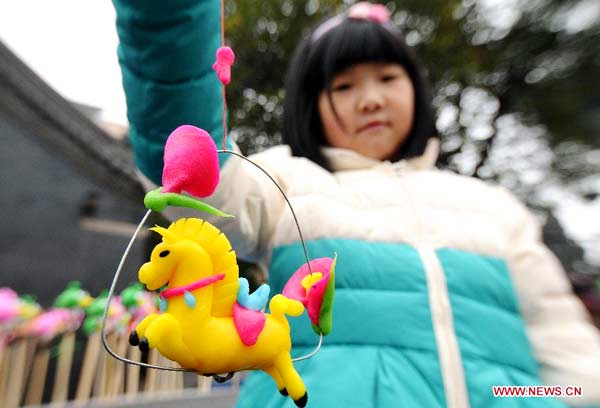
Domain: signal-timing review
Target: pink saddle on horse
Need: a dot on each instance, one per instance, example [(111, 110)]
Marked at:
[(249, 323)]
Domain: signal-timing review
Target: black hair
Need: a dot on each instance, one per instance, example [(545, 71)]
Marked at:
[(313, 67)]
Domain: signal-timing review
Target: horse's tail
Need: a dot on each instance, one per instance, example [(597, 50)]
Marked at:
[(281, 305)]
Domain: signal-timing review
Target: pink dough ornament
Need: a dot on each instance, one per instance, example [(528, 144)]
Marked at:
[(15, 310), (315, 290), (225, 58), (9, 305), (67, 314), (192, 167), (16, 313), (118, 317), (191, 162), (55, 322)]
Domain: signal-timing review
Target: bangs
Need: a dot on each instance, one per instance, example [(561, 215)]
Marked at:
[(354, 42)]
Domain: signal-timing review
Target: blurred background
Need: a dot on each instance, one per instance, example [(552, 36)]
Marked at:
[(516, 88)]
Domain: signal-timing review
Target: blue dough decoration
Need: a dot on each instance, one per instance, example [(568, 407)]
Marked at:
[(162, 305), (255, 301), (190, 299)]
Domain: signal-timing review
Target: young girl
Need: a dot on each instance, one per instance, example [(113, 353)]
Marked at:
[(443, 287)]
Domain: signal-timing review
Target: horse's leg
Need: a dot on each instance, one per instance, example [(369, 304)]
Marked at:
[(140, 329), (274, 373), (293, 383), (165, 334)]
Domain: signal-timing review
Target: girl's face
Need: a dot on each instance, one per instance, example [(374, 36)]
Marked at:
[(375, 106)]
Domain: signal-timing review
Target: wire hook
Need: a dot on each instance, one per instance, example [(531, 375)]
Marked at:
[(128, 250)]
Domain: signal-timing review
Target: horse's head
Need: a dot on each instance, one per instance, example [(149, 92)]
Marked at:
[(192, 250), (169, 256)]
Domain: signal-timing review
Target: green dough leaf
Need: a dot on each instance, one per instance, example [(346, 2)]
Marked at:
[(156, 200), (326, 313)]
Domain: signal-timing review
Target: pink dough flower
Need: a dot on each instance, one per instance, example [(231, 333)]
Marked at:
[(315, 291), (191, 162)]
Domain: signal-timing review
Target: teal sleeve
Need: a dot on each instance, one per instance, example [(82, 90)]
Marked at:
[(166, 51)]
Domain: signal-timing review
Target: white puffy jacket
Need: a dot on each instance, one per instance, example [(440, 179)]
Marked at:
[(453, 223)]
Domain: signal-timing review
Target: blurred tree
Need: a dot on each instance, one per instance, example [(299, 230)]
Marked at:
[(264, 36), (515, 85)]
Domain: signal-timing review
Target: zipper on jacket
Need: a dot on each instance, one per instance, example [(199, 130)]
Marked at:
[(451, 366), (443, 327)]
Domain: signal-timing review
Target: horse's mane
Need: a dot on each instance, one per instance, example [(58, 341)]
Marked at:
[(216, 244)]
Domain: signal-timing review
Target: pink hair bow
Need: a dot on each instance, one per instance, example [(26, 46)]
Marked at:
[(363, 10), (368, 11), (225, 58)]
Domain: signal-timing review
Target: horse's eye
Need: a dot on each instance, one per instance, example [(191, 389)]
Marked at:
[(164, 253)]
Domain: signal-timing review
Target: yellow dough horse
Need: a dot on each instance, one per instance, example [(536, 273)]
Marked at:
[(196, 327)]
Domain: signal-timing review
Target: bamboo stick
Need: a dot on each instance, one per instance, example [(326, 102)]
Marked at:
[(3, 346), (110, 367), (160, 379), (204, 384), (39, 370), (88, 369), (150, 383), (100, 381), (32, 344), (60, 392), (119, 369), (172, 376), (171, 380), (179, 381), (4, 364), (165, 377), (133, 371), (17, 364)]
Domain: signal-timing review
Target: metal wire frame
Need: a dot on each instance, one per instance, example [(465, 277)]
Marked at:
[(126, 254)]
